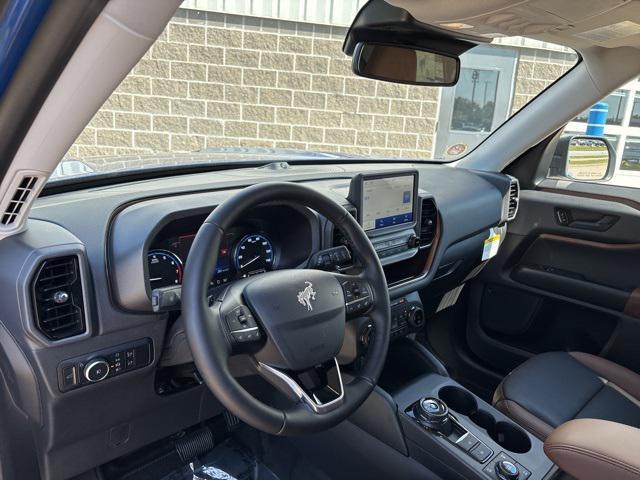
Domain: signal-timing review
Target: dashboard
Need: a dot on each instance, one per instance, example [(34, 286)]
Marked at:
[(429, 236)]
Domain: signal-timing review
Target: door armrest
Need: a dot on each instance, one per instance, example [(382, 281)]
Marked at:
[(595, 449)]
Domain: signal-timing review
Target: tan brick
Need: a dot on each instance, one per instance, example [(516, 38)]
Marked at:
[(525, 69), (293, 116), (168, 88), (84, 152), (115, 138), (217, 142), (187, 143), (258, 113), (182, 33), (287, 43), (237, 94), (189, 71), (385, 123), (425, 142), (153, 68), (294, 81), (359, 86), (169, 51), (372, 139), (170, 123), (220, 74), (355, 150), (429, 109), (241, 58), (203, 54), (294, 145), (548, 71), (152, 104), (418, 125), (402, 140), (278, 97), (88, 136), (277, 61), (322, 118), (206, 91), (325, 83), (225, 37), (259, 41), (274, 131), (309, 100), (309, 64), (326, 47), (102, 119), (340, 136), (423, 93), (342, 103), (136, 85), (260, 78), (190, 108), (205, 126), (241, 129), (359, 121), (120, 102), (132, 121), (307, 134), (323, 147), (373, 105), (224, 110), (340, 66), (392, 90), (405, 107)]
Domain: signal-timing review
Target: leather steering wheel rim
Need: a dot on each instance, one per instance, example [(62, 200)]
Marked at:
[(209, 341)]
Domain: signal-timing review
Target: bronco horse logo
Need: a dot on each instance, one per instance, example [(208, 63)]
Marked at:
[(305, 296)]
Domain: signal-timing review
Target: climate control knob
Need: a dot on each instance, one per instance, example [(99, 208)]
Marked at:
[(96, 370)]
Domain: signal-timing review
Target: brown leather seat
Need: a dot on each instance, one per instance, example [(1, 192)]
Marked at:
[(553, 388)]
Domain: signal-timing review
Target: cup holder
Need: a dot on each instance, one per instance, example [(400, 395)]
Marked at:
[(506, 434), (458, 400)]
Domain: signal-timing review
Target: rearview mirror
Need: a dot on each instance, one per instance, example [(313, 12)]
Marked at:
[(404, 64), (583, 158)]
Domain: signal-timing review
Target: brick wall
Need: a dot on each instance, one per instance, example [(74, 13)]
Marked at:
[(216, 80)]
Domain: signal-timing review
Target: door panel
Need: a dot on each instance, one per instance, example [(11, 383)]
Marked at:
[(558, 283)]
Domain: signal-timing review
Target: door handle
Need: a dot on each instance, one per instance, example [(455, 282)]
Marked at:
[(565, 218)]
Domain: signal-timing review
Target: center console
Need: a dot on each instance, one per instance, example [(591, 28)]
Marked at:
[(458, 435)]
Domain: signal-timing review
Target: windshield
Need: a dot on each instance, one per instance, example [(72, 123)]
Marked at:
[(267, 80)]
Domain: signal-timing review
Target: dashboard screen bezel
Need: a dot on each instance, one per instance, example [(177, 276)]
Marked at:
[(356, 197)]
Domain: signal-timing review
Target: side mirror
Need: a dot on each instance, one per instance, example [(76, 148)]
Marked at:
[(584, 158), (405, 64)]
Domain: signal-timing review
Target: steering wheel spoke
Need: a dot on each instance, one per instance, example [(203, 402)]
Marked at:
[(358, 294), (320, 388)]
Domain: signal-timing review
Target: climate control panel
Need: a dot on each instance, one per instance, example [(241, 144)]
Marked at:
[(102, 365)]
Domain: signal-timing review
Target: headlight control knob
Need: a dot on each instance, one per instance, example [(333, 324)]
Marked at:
[(96, 370)]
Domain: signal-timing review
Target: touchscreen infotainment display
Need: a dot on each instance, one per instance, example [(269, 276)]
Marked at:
[(387, 202)]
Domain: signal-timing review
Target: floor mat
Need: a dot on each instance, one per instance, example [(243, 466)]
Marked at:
[(227, 461)]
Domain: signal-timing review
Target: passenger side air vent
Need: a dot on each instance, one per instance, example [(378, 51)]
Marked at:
[(22, 194), (57, 298), (428, 222), (514, 198)]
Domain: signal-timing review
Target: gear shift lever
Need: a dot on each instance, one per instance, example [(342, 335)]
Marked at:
[(433, 413)]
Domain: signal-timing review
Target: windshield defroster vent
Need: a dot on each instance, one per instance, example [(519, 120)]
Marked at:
[(428, 221), (57, 298)]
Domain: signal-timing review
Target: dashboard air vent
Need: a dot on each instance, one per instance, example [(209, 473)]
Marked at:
[(22, 194), (57, 298), (428, 222), (514, 198)]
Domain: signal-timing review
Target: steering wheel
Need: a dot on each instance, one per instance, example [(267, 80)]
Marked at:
[(291, 323)]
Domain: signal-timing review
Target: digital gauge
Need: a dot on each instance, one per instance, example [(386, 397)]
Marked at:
[(165, 269), (253, 254)]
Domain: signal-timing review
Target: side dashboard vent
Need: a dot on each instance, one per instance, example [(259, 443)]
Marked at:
[(338, 237), (21, 194), (57, 298), (428, 221), (513, 199)]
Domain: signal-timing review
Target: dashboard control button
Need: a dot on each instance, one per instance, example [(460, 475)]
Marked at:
[(96, 370), (507, 470), (69, 376), (467, 441)]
